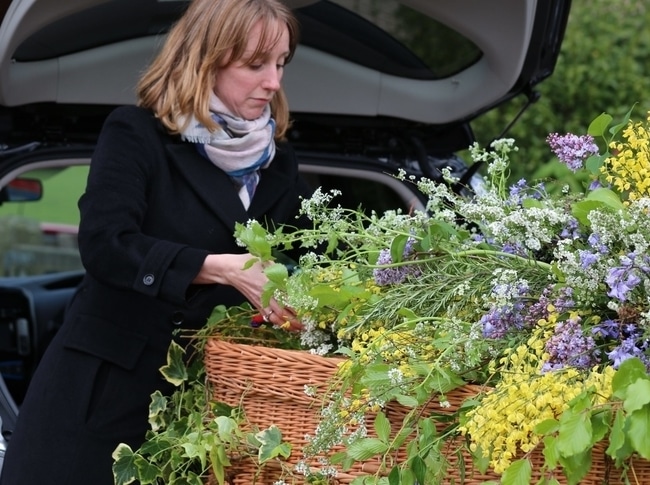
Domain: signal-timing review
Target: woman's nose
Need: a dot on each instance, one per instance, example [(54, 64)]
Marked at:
[(272, 78)]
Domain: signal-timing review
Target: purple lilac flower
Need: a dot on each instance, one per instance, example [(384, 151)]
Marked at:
[(569, 347), (397, 274), (499, 321), (572, 149), (540, 309)]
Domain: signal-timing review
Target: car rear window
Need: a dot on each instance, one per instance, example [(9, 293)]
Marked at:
[(387, 36), (383, 35)]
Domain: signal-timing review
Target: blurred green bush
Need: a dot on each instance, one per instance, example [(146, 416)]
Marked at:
[(604, 66)]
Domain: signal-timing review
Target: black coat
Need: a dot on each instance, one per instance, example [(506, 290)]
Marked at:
[(154, 208)]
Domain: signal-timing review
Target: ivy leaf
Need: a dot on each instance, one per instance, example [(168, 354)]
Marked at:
[(366, 448), (638, 431), (271, 445), (175, 371), (157, 408), (382, 427), (518, 473), (226, 428), (147, 472), (124, 467), (219, 461)]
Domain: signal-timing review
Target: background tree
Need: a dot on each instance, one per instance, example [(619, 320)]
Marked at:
[(604, 66)]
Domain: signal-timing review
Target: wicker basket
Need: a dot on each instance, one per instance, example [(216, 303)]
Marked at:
[(270, 384)]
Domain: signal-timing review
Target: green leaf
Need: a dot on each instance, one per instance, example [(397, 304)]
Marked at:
[(157, 411), (576, 467), (551, 455), (628, 372), (393, 476), (272, 445), (397, 248), (254, 237), (226, 428), (639, 424), (638, 395), (547, 426), (599, 425), (575, 434), (277, 273), (616, 128), (518, 473), (607, 197), (382, 427), (419, 468), (599, 125), (616, 434), (441, 231), (407, 401), (365, 448), (595, 162), (147, 472), (175, 371), (124, 467)]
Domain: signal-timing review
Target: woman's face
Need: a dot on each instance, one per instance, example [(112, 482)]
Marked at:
[(246, 87)]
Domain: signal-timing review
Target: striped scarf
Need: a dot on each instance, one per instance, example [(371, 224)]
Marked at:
[(240, 148)]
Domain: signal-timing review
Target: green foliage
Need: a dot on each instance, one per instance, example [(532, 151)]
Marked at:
[(602, 68), (192, 435)]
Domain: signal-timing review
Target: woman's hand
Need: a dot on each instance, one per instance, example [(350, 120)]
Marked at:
[(228, 269)]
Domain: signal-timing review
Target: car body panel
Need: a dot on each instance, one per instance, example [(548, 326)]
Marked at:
[(317, 82)]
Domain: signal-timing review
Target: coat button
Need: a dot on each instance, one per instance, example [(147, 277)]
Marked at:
[(148, 279), (177, 318)]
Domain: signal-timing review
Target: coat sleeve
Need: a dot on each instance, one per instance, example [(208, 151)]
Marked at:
[(113, 248)]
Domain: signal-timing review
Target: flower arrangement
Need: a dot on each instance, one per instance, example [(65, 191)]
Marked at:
[(540, 296)]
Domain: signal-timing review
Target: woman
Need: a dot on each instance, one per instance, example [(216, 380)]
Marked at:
[(168, 181)]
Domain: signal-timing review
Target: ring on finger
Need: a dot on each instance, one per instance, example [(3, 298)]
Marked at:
[(267, 316)]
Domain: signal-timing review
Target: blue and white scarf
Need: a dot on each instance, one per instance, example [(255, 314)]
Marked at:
[(240, 148)]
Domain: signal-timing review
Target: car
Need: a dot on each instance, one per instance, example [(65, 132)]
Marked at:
[(375, 87)]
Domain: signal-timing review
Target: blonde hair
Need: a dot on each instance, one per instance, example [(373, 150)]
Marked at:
[(212, 34)]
